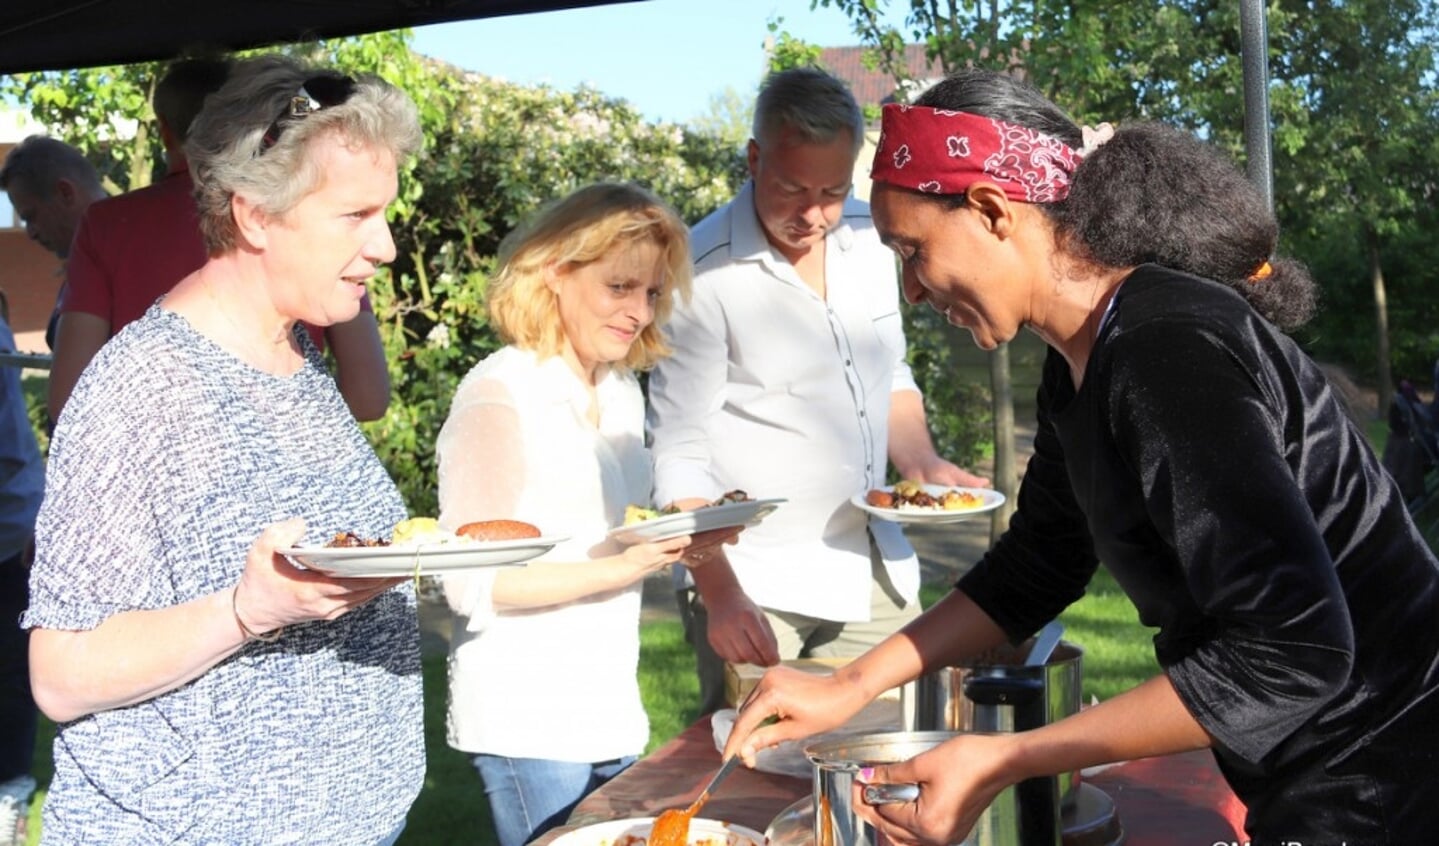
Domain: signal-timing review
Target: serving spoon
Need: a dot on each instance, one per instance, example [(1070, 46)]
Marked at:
[(1044, 643), (672, 827)]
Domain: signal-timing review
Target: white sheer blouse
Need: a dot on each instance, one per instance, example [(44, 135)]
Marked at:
[(518, 444)]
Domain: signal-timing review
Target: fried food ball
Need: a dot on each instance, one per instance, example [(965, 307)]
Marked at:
[(494, 530), (880, 498)]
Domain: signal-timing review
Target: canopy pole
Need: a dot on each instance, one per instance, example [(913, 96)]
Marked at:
[(1254, 53)]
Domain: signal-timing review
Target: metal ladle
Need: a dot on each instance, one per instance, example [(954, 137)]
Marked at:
[(1044, 644)]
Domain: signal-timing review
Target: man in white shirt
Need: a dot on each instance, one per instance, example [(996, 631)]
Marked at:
[(788, 379)]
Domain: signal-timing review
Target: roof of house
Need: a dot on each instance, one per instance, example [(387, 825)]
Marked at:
[(873, 87)]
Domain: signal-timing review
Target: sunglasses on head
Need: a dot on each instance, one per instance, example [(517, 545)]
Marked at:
[(317, 92)]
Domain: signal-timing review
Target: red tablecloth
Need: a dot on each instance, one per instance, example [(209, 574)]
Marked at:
[(1177, 800)]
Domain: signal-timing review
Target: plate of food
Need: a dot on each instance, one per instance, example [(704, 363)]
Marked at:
[(733, 509), (419, 547), (912, 502), (635, 832)]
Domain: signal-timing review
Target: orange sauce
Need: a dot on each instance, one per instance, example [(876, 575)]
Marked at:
[(826, 823), (672, 827)]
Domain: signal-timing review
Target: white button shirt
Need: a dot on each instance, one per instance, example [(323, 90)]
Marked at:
[(781, 393)]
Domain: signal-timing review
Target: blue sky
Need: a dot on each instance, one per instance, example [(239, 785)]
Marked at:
[(667, 57)]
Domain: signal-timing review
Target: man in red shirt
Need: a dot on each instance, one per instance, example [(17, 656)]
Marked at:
[(132, 249)]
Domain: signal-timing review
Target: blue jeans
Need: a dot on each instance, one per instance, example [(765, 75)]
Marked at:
[(529, 796)]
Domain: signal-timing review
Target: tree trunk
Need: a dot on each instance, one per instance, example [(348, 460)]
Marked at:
[(1005, 478), (141, 168), (1381, 318)]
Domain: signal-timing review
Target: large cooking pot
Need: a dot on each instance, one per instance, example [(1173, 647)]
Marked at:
[(996, 692), (1022, 815)]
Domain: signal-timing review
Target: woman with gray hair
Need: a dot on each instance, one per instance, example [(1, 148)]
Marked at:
[(205, 689)]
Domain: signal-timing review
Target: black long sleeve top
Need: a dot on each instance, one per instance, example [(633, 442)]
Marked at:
[(1207, 463)]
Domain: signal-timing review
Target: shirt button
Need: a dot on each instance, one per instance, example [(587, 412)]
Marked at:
[(846, 362), (861, 414)]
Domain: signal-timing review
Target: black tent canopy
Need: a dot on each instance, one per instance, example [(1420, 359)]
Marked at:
[(64, 34)]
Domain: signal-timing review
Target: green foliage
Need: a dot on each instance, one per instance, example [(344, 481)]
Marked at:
[(36, 388), (788, 52), (1357, 171)]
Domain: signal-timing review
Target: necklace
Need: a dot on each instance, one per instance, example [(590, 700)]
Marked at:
[(265, 359)]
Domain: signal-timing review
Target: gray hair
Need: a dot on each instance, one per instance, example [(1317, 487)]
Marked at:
[(229, 154), (39, 162), (809, 101)]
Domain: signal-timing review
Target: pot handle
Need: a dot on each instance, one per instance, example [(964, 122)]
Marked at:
[(1004, 690), (890, 794)]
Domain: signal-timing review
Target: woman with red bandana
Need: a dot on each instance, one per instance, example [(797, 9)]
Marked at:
[(1184, 441)]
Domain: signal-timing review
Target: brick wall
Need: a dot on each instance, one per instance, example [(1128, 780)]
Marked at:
[(30, 278)]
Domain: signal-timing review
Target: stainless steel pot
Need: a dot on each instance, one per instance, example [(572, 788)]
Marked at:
[(996, 693), (1012, 819)]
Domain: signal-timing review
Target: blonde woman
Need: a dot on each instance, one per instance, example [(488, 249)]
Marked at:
[(550, 430)]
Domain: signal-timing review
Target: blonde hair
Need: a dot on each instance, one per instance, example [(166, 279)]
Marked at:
[(575, 231)]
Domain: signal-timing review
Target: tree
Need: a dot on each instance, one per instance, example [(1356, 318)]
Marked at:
[(1360, 80)]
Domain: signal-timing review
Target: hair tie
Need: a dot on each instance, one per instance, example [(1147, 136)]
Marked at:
[(1095, 137), (1264, 271)]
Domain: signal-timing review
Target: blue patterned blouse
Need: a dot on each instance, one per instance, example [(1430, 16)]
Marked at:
[(170, 458)]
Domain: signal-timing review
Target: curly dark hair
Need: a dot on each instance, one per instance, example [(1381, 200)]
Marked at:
[(1152, 194)]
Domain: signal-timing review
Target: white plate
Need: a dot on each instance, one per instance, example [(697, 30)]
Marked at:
[(992, 500), (430, 559), (705, 519), (632, 832)]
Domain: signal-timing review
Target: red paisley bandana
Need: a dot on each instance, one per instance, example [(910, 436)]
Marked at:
[(944, 152)]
